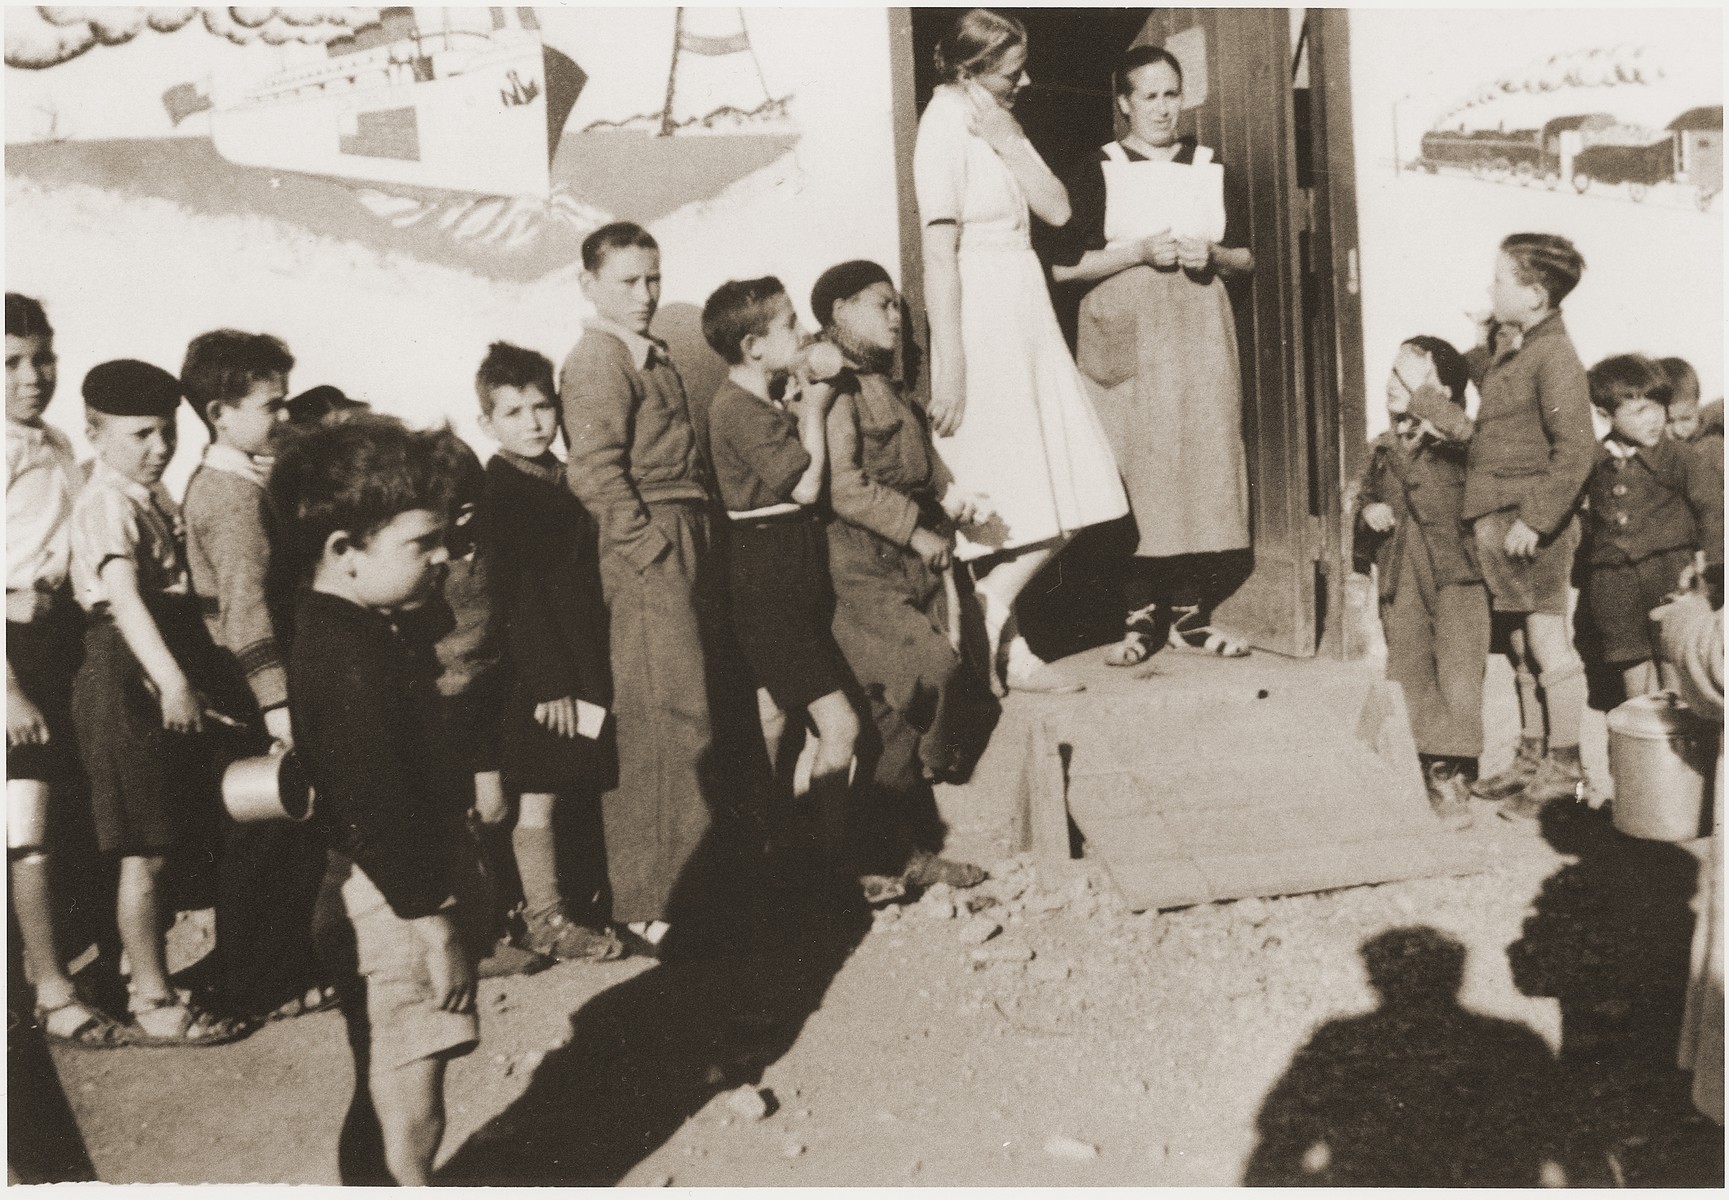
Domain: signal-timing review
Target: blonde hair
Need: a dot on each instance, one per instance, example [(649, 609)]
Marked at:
[(976, 42)]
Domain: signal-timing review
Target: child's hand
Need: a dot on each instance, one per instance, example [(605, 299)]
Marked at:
[(948, 398), (1194, 253), (931, 547), (991, 121), (24, 723), (1159, 250), (447, 966), (182, 710), (278, 724), (959, 506), (558, 716), (1521, 541), (1398, 396), (1378, 516)]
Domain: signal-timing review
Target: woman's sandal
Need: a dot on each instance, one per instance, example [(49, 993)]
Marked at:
[(315, 999), (195, 1027), (1132, 651), (76, 1023), (1203, 639)]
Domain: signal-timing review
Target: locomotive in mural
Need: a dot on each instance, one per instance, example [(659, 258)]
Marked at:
[(1588, 149)]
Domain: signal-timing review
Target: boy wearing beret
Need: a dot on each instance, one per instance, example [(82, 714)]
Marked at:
[(888, 546), (134, 703)]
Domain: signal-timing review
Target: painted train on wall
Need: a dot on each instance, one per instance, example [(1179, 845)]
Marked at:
[(1562, 123), (1585, 151)]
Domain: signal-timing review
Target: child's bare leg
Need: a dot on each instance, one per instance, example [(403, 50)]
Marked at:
[(409, 1101), (532, 844), (837, 729), (140, 919), (1560, 674), (1000, 585), (35, 908), (1532, 724), (1640, 679)]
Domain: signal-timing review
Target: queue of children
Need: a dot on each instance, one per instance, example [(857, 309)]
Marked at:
[(1477, 522), (445, 647)]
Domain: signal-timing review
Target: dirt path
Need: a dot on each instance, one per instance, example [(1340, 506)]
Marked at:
[(1090, 1046)]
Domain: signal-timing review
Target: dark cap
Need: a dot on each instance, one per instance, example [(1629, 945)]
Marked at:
[(129, 388), (315, 404), (843, 283)]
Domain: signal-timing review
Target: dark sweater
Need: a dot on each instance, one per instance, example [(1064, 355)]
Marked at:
[(758, 455), (547, 579), (366, 729), (1663, 497)]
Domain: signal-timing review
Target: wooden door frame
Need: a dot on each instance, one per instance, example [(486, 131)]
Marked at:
[(1340, 406)]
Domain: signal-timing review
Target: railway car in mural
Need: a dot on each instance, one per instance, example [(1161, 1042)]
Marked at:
[(1588, 149), (446, 99)]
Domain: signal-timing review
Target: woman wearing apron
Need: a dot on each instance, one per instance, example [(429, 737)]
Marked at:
[(1157, 343), (1009, 410)]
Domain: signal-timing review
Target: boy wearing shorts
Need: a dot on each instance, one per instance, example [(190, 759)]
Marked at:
[(1531, 450), (370, 502)]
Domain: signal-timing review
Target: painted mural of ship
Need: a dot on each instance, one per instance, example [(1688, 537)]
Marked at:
[(437, 99)]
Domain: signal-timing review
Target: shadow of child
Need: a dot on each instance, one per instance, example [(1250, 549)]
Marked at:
[(1420, 1092)]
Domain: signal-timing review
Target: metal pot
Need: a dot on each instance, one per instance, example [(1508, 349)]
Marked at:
[(1661, 755), (269, 787)]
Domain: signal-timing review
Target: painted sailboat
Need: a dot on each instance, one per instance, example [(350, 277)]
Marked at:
[(441, 99)]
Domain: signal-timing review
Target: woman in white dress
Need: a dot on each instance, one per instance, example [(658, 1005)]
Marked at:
[(1009, 409)]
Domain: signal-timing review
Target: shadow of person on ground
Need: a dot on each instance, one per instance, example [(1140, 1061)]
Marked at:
[(753, 961), (43, 1144), (1609, 937), (1420, 1092)]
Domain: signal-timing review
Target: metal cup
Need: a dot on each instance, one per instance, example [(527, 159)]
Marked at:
[(26, 814), (268, 787)]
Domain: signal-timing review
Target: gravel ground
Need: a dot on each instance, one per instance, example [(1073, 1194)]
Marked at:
[(1031, 1032)]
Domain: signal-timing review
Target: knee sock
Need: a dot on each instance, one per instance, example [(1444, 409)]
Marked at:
[(1531, 724), (1564, 699), (536, 865)]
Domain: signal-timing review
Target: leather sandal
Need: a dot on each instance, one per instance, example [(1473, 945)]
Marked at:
[(194, 1027), (1132, 651), (82, 1025)]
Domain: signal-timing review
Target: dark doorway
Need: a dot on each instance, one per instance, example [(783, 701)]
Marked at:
[(1245, 97)]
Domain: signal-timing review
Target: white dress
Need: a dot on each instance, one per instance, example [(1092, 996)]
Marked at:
[(1030, 439)]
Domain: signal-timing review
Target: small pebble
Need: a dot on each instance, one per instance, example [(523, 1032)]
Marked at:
[(748, 1103), (978, 931), (1060, 1145), (793, 1149)]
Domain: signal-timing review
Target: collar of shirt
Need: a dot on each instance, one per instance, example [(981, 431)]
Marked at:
[(103, 475), (642, 349), (1549, 326), (1619, 449), (219, 457)]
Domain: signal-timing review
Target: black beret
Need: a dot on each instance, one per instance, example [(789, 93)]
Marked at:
[(129, 388), (842, 283), (314, 404)]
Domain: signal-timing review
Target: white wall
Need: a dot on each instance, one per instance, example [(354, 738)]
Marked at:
[(137, 275), (1654, 277)]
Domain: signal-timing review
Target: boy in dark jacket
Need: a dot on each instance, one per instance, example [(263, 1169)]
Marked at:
[(1434, 609), (371, 503), (1653, 503), (546, 584)]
